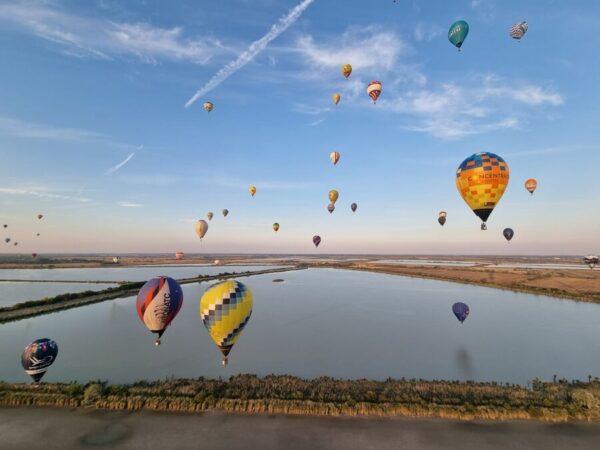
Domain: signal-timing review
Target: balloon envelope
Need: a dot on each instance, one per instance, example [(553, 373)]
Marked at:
[(374, 90), (334, 157), (331, 208), (158, 302), (461, 311), (518, 30), (333, 196), (225, 212), (39, 216), (225, 309), (353, 207), (336, 98), (276, 226), (208, 106), (209, 215), (458, 33), (481, 180), (442, 220), (346, 70), (508, 233), (201, 228), (38, 357), (316, 240), (531, 185), (252, 190)]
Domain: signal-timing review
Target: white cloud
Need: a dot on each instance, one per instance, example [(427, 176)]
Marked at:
[(427, 32), (84, 37), (316, 122), (22, 129), (130, 205), (255, 48), (41, 194), (121, 164)]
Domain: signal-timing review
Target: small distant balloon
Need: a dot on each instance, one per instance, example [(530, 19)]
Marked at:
[(252, 190), (353, 207), (210, 215), (179, 256), (531, 185), (16, 243), (5, 225), (374, 90), (442, 218), (208, 106), (333, 196), (336, 98), (157, 304), (346, 70), (518, 30), (217, 262), (316, 240), (334, 157), (276, 227), (461, 311), (225, 212), (201, 228), (331, 208), (39, 216), (508, 234), (38, 357), (591, 260), (37, 234), (34, 255), (7, 240), (458, 33)]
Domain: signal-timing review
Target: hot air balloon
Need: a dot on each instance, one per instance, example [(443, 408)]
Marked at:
[(38, 357), (481, 180), (346, 70), (276, 227), (331, 208), (374, 90), (531, 185), (179, 256), (461, 311), (590, 260), (333, 196), (225, 212), (208, 106), (209, 215), (37, 234), (34, 255), (201, 228), (39, 216), (508, 233), (16, 243), (157, 304), (518, 30), (217, 262), (116, 259), (225, 309), (336, 98), (353, 207), (458, 33), (334, 157), (7, 240), (316, 240), (442, 218), (252, 190), (5, 225)]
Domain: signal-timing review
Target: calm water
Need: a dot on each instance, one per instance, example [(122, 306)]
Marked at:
[(16, 292), (426, 262), (328, 322), (136, 273)]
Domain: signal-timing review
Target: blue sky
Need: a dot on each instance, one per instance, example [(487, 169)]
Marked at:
[(82, 88)]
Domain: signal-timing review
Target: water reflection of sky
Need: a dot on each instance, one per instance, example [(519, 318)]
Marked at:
[(331, 322)]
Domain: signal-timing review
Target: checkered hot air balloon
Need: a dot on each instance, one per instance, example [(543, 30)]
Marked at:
[(157, 304), (225, 309), (481, 180), (518, 30)]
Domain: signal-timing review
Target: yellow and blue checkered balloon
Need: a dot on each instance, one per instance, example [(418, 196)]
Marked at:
[(225, 309), (481, 180)]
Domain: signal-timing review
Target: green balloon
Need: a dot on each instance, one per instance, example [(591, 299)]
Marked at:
[(458, 33)]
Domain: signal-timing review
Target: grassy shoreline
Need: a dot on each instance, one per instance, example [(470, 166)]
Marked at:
[(282, 394), (67, 301)]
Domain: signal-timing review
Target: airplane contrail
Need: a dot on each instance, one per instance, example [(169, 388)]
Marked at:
[(255, 48), (121, 164)]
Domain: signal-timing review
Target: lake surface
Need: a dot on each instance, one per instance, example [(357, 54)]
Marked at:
[(331, 322), (17, 292), (116, 273)]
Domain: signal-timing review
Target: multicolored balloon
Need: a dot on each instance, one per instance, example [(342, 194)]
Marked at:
[(346, 70), (442, 218), (481, 180), (252, 190), (531, 185), (591, 260), (201, 228), (508, 234), (333, 196), (458, 33), (157, 304), (518, 30), (336, 98), (334, 157), (461, 311), (225, 309), (225, 212), (374, 90), (331, 208), (276, 227), (353, 207), (209, 215), (38, 357), (316, 240), (208, 106)]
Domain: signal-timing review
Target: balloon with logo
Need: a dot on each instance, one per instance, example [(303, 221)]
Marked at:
[(38, 357), (481, 180), (458, 33), (157, 304), (225, 309)]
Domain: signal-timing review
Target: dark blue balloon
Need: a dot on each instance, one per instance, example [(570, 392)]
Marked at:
[(461, 311), (38, 356), (508, 233)]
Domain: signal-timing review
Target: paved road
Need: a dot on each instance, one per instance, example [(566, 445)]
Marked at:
[(48, 429)]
